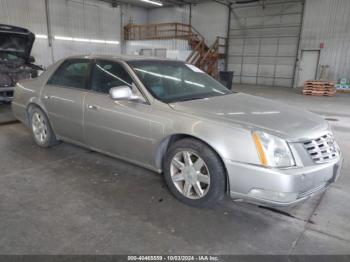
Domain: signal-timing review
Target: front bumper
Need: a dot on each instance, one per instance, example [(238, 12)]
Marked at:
[(280, 187), (6, 94)]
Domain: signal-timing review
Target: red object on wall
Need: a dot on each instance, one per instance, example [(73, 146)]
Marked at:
[(321, 45)]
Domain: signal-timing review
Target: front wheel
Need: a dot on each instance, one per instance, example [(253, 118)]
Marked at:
[(194, 173)]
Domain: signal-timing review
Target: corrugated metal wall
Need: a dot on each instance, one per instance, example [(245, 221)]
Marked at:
[(173, 48), (209, 18), (328, 22), (263, 42), (170, 44), (86, 20), (169, 15), (82, 19), (134, 14)]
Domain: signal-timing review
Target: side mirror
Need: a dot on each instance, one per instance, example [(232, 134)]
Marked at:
[(122, 93)]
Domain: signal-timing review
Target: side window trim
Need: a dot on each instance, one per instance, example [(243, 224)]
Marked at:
[(89, 75), (135, 81)]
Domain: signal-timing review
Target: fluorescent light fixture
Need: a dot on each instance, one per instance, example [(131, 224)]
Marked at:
[(86, 40), (41, 36), (81, 40), (63, 38), (112, 42), (97, 41), (152, 2)]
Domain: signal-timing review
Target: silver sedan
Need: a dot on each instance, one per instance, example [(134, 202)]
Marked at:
[(171, 117)]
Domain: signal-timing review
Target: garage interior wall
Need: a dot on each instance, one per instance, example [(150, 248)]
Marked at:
[(172, 48), (263, 42), (169, 15), (208, 18), (328, 22), (80, 19), (91, 19), (134, 14)]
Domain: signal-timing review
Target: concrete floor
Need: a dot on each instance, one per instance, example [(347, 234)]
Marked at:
[(5, 114), (68, 200)]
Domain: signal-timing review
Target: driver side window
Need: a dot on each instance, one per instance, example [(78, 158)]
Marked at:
[(108, 74)]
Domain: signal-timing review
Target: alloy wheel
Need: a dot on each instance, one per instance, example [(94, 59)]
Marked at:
[(190, 175), (39, 127)]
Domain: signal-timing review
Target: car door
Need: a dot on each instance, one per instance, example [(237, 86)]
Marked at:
[(120, 128), (63, 97)]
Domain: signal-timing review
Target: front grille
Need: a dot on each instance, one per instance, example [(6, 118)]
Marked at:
[(323, 149)]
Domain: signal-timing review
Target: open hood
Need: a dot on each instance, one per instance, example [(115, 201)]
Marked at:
[(16, 41)]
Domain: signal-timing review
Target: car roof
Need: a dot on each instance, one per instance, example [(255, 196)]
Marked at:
[(126, 58)]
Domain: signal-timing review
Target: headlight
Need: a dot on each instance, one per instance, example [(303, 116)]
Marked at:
[(273, 151)]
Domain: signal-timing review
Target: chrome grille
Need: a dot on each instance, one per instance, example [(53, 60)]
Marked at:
[(322, 149)]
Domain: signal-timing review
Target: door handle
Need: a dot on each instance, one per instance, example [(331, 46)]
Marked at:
[(47, 97), (92, 107)]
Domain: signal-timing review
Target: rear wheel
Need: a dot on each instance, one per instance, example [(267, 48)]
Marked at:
[(42, 132), (194, 173)]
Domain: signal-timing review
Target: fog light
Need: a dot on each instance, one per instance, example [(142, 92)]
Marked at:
[(273, 196)]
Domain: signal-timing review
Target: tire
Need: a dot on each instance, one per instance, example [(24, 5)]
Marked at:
[(185, 152), (42, 132)]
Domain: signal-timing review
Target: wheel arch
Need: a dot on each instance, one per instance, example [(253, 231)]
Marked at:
[(29, 106), (171, 139), (32, 104)]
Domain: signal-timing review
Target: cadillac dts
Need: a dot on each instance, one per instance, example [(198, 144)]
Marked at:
[(171, 117)]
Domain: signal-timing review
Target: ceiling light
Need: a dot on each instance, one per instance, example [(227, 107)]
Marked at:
[(112, 42), (41, 36), (64, 38), (81, 40), (86, 40), (98, 41), (152, 2)]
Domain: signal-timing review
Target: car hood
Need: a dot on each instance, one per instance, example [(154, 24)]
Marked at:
[(16, 40), (257, 113)]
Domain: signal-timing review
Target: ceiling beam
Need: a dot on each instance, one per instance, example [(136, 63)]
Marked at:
[(165, 2), (225, 3)]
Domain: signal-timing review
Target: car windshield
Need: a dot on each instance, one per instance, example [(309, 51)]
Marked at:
[(174, 81)]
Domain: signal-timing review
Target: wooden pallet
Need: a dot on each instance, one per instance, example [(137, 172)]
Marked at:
[(343, 90), (320, 85), (319, 88), (319, 93), (319, 82), (314, 88)]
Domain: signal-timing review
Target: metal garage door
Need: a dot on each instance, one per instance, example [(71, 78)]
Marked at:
[(263, 42)]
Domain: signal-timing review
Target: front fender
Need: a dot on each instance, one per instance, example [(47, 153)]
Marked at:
[(229, 142)]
